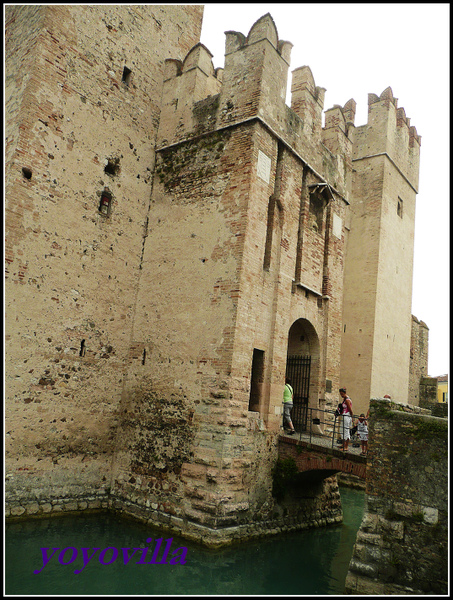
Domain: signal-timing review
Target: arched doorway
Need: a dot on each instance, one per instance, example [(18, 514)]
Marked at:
[(302, 368)]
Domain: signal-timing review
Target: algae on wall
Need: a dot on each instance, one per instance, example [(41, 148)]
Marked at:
[(402, 544)]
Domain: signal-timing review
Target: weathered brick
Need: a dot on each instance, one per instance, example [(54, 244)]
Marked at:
[(161, 226)]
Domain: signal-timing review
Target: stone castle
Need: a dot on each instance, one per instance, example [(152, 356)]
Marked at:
[(177, 239)]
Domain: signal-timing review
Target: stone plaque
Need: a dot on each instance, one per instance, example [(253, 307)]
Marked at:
[(264, 166), (337, 226)]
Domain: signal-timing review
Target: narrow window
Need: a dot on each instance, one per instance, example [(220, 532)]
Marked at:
[(274, 211), (82, 348), (269, 231), (399, 208), (144, 356), (126, 76), (257, 379), (105, 205), (274, 229), (26, 173)]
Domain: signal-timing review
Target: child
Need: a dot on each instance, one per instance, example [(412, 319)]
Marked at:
[(362, 432)]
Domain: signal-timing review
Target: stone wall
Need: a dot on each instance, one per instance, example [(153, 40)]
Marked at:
[(402, 544), (429, 397), (167, 223), (83, 85), (418, 366), (428, 391)]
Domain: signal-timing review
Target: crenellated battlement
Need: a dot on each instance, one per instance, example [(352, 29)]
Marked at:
[(340, 117), (263, 29), (186, 83), (307, 101), (198, 98), (253, 82), (337, 138), (388, 131)]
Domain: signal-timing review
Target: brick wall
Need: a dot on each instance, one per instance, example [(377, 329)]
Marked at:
[(72, 272), (226, 239)]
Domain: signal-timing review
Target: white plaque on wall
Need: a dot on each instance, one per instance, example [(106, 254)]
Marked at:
[(337, 226), (264, 166)]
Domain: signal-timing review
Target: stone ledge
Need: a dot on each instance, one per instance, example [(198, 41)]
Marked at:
[(197, 532), (42, 508)]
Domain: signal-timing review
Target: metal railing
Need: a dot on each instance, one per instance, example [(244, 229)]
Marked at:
[(322, 424)]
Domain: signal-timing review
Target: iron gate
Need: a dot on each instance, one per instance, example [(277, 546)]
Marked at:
[(298, 370)]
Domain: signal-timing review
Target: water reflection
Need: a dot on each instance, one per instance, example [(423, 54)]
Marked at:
[(312, 562)]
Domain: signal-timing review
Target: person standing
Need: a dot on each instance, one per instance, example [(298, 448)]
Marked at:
[(288, 396), (362, 432), (346, 418)]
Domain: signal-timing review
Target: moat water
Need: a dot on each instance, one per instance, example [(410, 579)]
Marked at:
[(310, 562)]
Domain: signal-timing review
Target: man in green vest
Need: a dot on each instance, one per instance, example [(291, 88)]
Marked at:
[(287, 406)]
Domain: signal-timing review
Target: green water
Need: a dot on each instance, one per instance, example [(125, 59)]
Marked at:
[(312, 562)]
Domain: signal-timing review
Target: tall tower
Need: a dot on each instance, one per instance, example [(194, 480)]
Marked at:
[(242, 266), (379, 255), (83, 86)]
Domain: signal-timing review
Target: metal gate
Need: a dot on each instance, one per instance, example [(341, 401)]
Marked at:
[(298, 370)]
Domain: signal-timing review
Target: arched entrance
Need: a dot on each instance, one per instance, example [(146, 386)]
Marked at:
[(302, 367)]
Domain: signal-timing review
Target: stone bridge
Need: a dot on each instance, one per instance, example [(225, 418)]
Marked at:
[(318, 461)]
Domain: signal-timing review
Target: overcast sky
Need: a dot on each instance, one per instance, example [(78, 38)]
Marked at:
[(357, 49)]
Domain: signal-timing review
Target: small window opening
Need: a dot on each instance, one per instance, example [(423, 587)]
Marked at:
[(26, 172), (269, 231), (257, 380), (126, 76), (105, 205), (399, 208), (144, 357), (82, 348), (112, 167), (274, 218)]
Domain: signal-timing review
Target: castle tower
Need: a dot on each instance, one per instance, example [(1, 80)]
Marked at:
[(379, 255), (83, 86), (176, 246), (242, 265)]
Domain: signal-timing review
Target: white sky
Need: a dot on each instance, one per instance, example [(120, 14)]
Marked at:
[(357, 49)]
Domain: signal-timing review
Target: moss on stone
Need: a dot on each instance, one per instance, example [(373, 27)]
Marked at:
[(283, 474), (430, 428)]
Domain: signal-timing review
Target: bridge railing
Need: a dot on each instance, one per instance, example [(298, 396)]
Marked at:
[(324, 424)]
